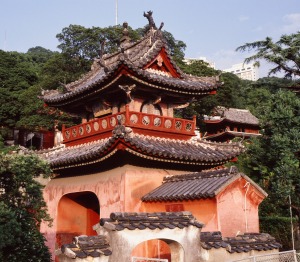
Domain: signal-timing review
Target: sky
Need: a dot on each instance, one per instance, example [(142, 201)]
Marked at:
[(210, 28)]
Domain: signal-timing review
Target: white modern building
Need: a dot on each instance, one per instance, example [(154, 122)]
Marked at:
[(204, 59), (244, 71)]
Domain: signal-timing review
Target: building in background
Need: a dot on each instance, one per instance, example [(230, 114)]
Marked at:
[(244, 71), (226, 124), (204, 59)]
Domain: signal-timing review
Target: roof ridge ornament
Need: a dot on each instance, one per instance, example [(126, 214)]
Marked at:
[(120, 130), (152, 25), (125, 39), (148, 15)]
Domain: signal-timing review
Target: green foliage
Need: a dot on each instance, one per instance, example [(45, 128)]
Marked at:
[(199, 68), (36, 116), (280, 228), (230, 94), (17, 74), (84, 43), (62, 69), (176, 47), (272, 159), (284, 54), (22, 208)]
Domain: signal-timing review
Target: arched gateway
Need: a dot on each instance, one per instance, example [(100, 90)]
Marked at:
[(76, 214)]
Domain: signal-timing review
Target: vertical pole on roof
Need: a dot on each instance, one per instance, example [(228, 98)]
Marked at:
[(116, 12), (292, 227)]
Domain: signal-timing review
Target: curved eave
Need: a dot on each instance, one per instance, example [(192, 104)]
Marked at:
[(147, 149), (101, 82), (231, 134)]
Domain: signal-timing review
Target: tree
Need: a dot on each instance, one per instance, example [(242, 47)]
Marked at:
[(35, 116), (17, 73), (176, 47), (22, 208), (272, 159), (284, 54), (84, 43), (199, 68)]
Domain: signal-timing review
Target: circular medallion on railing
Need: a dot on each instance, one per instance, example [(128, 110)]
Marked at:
[(188, 127), (146, 120), (113, 121), (157, 121), (67, 133), (178, 125), (81, 130), (96, 126), (88, 128), (168, 123), (134, 118), (104, 123), (74, 132)]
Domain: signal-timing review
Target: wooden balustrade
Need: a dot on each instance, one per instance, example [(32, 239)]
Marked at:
[(102, 127)]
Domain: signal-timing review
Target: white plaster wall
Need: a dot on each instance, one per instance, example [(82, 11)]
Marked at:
[(222, 255), (123, 242)]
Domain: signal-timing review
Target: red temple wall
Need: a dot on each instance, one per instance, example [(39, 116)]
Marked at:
[(235, 198), (205, 210), (118, 190)]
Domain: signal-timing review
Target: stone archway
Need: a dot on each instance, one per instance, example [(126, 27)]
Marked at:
[(76, 214)]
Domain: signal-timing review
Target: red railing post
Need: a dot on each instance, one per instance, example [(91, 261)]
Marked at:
[(127, 117)]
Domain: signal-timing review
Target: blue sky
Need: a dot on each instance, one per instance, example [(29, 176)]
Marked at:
[(210, 28)]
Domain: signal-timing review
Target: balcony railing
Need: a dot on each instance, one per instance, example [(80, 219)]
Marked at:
[(135, 120)]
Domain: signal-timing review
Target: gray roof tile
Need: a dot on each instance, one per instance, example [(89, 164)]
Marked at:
[(240, 243), (139, 221), (134, 57), (158, 149), (205, 184), (84, 246)]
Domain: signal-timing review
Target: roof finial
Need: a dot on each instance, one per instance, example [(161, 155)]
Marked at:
[(125, 40), (150, 19)]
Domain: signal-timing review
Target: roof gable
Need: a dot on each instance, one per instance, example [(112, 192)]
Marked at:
[(161, 64)]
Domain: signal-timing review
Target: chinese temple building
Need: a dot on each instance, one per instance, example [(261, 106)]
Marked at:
[(227, 123), (144, 174)]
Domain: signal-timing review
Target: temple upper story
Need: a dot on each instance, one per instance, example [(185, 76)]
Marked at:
[(137, 88), (140, 74)]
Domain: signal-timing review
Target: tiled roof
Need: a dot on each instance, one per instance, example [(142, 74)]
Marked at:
[(240, 243), (240, 116), (84, 246), (235, 115), (119, 221), (205, 184), (134, 57), (191, 152)]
